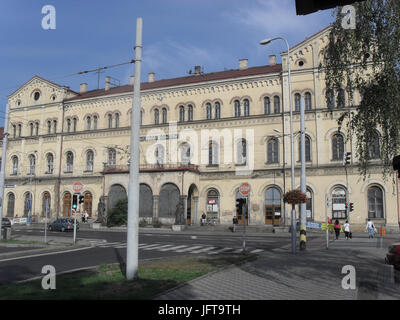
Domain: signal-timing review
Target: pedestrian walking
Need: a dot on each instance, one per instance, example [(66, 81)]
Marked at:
[(370, 227), (346, 228), (203, 219), (235, 222), (336, 226), (86, 216)]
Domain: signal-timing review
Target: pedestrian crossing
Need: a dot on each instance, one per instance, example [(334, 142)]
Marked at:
[(192, 248)]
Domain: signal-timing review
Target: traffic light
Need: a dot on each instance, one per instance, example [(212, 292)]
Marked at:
[(346, 158), (75, 201), (239, 206), (81, 199), (345, 206), (351, 206)]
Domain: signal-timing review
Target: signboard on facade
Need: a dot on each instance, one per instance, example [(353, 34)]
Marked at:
[(212, 201), (10, 185), (339, 206)]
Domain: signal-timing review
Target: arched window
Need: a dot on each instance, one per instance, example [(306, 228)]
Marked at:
[(89, 123), (156, 116), (141, 116), (68, 126), (164, 115), (67, 205), (212, 153), (14, 131), (95, 120), (277, 104), (208, 111), (246, 104), (49, 163), (308, 101), (117, 120), (341, 99), (337, 147), (217, 110), (237, 108), (70, 161), (89, 160), (75, 123), (273, 151), (186, 153), (10, 205), (19, 130), (110, 121), (273, 200), (87, 203), (374, 147), (14, 165), (37, 128), (181, 114), (31, 128), (297, 101), (330, 99), (32, 164), (112, 158), (375, 203), (307, 141), (212, 204), (159, 155), (190, 112), (241, 152), (338, 203), (267, 105), (46, 205), (55, 126)]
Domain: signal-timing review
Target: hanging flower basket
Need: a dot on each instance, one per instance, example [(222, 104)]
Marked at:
[(295, 197)]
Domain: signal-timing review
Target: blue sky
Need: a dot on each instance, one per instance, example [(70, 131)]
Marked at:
[(177, 35)]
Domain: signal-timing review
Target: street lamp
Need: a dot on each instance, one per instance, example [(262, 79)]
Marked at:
[(265, 42)]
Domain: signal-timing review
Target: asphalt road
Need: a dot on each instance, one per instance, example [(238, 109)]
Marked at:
[(110, 247)]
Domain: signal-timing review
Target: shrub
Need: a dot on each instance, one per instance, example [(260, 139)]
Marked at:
[(119, 214)]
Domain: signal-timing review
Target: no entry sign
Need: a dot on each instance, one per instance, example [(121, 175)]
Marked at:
[(77, 187), (244, 189)]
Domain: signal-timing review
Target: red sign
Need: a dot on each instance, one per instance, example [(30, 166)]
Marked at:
[(77, 187), (244, 189), (212, 201)]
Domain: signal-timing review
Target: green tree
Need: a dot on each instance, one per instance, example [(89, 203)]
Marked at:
[(367, 59), (119, 214)]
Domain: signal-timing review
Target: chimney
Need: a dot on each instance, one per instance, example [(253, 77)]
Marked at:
[(107, 87), (197, 70), (243, 64), (83, 88), (272, 60), (152, 76), (131, 80)]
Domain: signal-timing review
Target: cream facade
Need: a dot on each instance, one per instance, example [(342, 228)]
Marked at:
[(202, 136)]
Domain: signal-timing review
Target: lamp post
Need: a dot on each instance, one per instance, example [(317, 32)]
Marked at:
[(265, 42)]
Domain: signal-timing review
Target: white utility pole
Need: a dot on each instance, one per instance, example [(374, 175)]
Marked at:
[(3, 165), (303, 183), (132, 249)]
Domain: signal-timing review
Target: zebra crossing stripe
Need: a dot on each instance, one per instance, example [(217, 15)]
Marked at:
[(203, 250), (221, 250), (189, 249), (256, 251), (150, 245), (173, 248), (238, 250), (109, 244), (159, 247)]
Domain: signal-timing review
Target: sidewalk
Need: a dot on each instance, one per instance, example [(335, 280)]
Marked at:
[(314, 274)]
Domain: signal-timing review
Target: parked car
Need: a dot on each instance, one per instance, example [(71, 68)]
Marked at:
[(6, 223), (393, 255), (64, 224)]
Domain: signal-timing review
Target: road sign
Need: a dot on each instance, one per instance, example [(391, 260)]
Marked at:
[(77, 187), (10, 185), (244, 189)]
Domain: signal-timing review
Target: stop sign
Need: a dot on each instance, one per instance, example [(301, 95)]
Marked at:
[(244, 189), (77, 187)]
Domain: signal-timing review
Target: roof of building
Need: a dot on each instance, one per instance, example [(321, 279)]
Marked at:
[(164, 83)]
